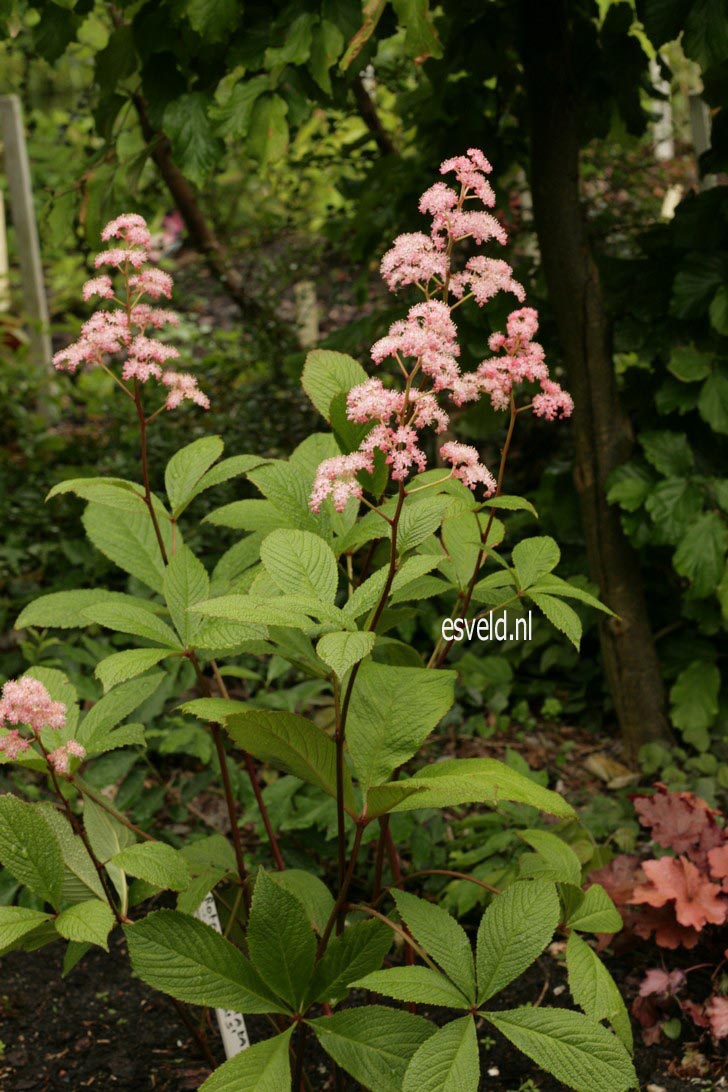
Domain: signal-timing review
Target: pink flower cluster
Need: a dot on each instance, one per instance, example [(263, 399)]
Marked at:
[(425, 348), (126, 328), (27, 702), (60, 759)]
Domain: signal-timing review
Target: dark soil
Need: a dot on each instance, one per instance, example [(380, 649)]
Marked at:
[(101, 1028)]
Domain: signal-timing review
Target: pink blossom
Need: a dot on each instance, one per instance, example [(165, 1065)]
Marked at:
[(181, 386), (98, 286), (426, 410), (466, 388), (121, 256), (553, 401), (26, 701), (716, 1010), (60, 759), (467, 466), (372, 401), (522, 323), (400, 447), (485, 277), (153, 283), (336, 477), (438, 201), (130, 227), (428, 335), (480, 226), (414, 259), (470, 171), (13, 744), (657, 981), (143, 315)]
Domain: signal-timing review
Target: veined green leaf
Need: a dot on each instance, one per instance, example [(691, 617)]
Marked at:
[(121, 666), (554, 858), (594, 989), (446, 1062), (301, 564), (281, 940), (419, 984), (326, 373), (513, 932), (262, 1067), (156, 863), (16, 922), (29, 849), (87, 922), (441, 937), (359, 950), (341, 650), (595, 912), (186, 468), (131, 542), (127, 618), (373, 1044), (533, 557), (186, 583)]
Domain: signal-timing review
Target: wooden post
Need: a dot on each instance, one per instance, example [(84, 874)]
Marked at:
[(17, 169)]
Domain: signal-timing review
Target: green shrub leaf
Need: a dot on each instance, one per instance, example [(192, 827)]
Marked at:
[(281, 941), (553, 860), (186, 583), (121, 666), (130, 618), (419, 984), (262, 1067), (15, 922), (300, 563), (341, 650), (533, 557), (156, 863), (441, 937), (359, 950), (559, 614), (595, 912), (594, 989), (373, 1044), (446, 1062), (29, 849), (326, 374), (513, 932), (87, 922)]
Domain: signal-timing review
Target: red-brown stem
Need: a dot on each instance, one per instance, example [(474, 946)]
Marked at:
[(445, 872), (97, 798), (298, 1083), (341, 900), (340, 815)]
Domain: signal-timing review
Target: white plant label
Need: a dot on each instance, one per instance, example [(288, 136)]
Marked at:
[(232, 1024)]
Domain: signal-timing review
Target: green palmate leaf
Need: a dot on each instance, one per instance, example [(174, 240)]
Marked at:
[(65, 610), (559, 614), (513, 932), (111, 492), (195, 147), (130, 618), (80, 878), (156, 863), (340, 651), (281, 942), (263, 1067), (576, 1050), (121, 666), (130, 542), (392, 711), (326, 374), (668, 452), (95, 732), (421, 985), (181, 956), (373, 1044), (700, 555), (186, 583), (185, 469), (29, 849), (357, 952), (713, 402), (87, 922), (440, 936), (511, 504), (15, 923), (553, 860), (420, 518), (311, 892), (446, 1062), (694, 702), (292, 744), (460, 781), (533, 557), (554, 585), (595, 912), (301, 564), (594, 989)]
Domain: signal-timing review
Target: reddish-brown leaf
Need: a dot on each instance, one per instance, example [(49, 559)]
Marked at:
[(698, 902), (680, 821)]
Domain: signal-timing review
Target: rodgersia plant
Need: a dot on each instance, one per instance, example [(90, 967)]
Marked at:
[(349, 530)]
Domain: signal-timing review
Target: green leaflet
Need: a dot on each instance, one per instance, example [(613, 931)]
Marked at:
[(595, 912), (374, 1044), (446, 1062), (559, 614), (464, 781), (392, 711), (327, 373), (513, 932), (292, 744), (87, 922), (594, 989), (262, 1067), (95, 731), (359, 950), (185, 469), (111, 492), (65, 610), (29, 849), (80, 878), (133, 619), (156, 863), (121, 666), (130, 542), (533, 557), (180, 956), (576, 1050), (15, 922), (301, 564), (107, 837), (554, 858), (312, 893), (441, 937), (281, 940), (341, 650), (186, 583), (419, 984)]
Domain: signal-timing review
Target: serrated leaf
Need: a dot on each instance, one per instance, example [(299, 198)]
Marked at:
[(65, 610), (420, 985), (29, 849), (534, 556), (156, 863), (181, 956), (132, 619), (559, 614), (15, 922), (301, 564), (694, 702), (187, 467), (129, 542), (195, 146), (326, 374), (668, 452), (268, 130), (554, 585), (446, 1062), (262, 1067), (341, 650), (419, 520), (285, 610), (713, 402), (510, 504), (121, 666), (700, 555), (186, 583), (392, 711), (513, 932), (111, 492), (281, 940), (441, 937), (594, 989), (80, 878), (595, 912), (373, 1044), (555, 859), (460, 781), (96, 729), (359, 950), (213, 709), (292, 744), (312, 893), (87, 922), (107, 837), (574, 1049)]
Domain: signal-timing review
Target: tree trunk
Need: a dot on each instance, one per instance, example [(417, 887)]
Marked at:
[(602, 432)]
